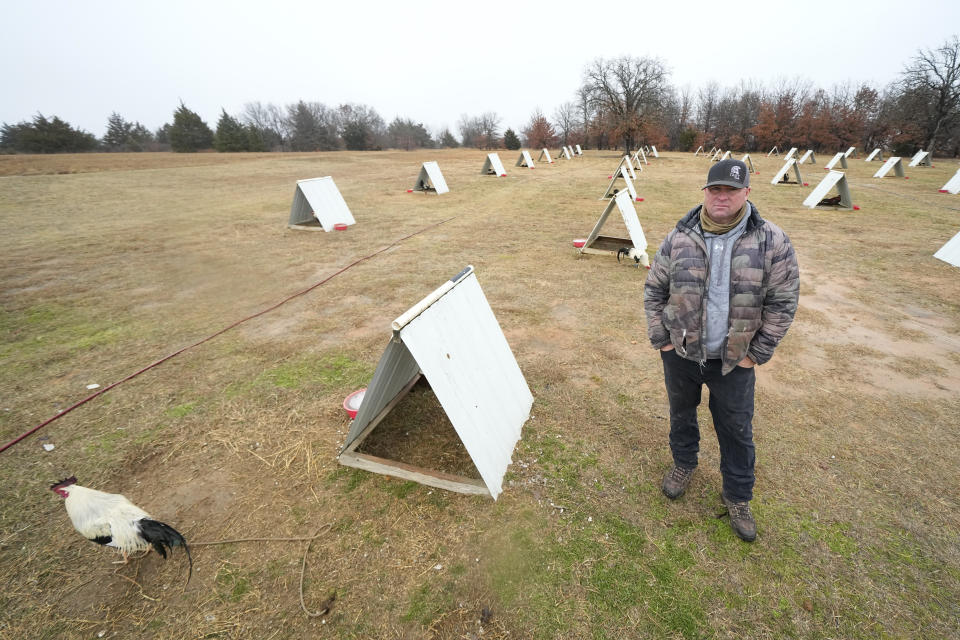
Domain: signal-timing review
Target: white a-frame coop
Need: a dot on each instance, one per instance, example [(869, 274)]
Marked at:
[(839, 157), (624, 174), (545, 155), (950, 252), (952, 185), (783, 175), (921, 159), (430, 179), (493, 166), (817, 197), (452, 339), (611, 245), (318, 204), (524, 160), (808, 155), (876, 154), (893, 162)]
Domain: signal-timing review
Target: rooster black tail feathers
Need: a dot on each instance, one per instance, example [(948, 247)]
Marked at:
[(162, 537), (623, 251)]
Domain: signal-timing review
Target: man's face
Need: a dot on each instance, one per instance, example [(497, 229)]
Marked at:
[(724, 203)]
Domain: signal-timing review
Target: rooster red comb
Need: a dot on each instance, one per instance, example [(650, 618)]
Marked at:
[(66, 482)]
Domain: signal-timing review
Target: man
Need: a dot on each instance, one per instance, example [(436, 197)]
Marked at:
[(720, 295)]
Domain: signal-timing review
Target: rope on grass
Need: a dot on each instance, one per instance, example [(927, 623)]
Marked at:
[(218, 333), (303, 564)]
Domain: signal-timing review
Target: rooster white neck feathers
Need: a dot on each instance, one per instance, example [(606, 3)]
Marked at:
[(110, 519)]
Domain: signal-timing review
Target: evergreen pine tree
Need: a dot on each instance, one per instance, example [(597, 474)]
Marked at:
[(45, 135), (117, 137), (510, 140), (255, 138), (448, 140), (140, 138), (188, 131), (231, 135)]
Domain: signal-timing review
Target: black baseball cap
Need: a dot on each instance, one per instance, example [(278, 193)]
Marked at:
[(732, 173)]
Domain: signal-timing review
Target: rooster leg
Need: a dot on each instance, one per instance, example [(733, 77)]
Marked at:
[(126, 558)]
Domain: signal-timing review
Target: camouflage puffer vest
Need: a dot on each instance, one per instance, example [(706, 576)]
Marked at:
[(764, 291)]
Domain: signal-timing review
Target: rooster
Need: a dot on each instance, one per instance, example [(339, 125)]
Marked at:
[(110, 519), (638, 257)]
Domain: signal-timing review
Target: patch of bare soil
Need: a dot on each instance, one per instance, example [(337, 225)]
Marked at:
[(896, 350)]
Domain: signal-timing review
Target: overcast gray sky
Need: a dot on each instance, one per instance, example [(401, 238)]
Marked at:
[(427, 60)]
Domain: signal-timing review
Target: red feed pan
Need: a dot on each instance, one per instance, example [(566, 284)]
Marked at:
[(351, 404)]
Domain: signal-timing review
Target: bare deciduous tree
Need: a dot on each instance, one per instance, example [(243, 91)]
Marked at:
[(935, 75), (630, 91), (268, 120), (565, 121)]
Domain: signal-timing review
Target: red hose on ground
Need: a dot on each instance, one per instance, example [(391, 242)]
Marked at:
[(211, 337)]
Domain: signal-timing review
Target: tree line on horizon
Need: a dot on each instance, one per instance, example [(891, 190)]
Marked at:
[(621, 103)]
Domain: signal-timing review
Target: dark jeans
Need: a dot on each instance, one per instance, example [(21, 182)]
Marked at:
[(731, 405)]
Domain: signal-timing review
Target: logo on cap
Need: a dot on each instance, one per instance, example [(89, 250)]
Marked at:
[(735, 173)]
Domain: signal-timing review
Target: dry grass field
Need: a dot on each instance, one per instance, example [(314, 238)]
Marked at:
[(109, 262)]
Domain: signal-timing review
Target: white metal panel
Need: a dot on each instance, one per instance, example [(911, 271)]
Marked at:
[(747, 160), (629, 213), (726, 155), (950, 252), (791, 162), (463, 353), (806, 154), (653, 150), (834, 178), (873, 154), (849, 151), (839, 157), (566, 152), (893, 161), (922, 158), (621, 172), (524, 160), (626, 164), (319, 198), (791, 153), (493, 164), (544, 153), (395, 369), (431, 171), (579, 151), (953, 184)]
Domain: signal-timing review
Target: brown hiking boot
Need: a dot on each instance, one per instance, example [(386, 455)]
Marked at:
[(741, 519), (676, 481)]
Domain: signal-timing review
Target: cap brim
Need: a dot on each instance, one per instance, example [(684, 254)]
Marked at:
[(726, 183)]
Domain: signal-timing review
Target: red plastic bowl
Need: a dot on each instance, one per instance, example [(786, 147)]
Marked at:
[(340, 226), (351, 404), (579, 242)]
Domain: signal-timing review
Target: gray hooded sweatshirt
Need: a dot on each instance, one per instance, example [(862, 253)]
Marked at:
[(719, 254)]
